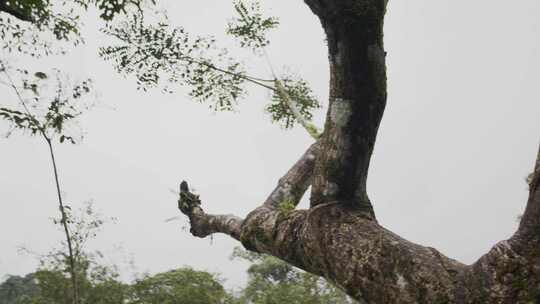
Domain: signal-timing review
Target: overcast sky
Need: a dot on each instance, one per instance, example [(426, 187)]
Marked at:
[(458, 138)]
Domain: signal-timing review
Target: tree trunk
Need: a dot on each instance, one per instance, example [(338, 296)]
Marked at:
[(338, 237)]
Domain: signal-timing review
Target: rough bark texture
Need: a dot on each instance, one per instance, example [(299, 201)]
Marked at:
[(357, 98), (338, 237)]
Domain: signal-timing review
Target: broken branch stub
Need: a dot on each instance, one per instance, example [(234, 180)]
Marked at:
[(187, 200)]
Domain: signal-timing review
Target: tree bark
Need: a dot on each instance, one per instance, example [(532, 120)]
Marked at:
[(338, 237), (529, 226), (354, 31)]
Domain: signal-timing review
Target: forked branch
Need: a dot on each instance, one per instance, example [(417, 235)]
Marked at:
[(292, 186), (290, 189)]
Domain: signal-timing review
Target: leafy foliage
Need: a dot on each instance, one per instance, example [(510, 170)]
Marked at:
[(21, 120), (300, 93), (16, 289), (286, 207), (39, 27), (251, 27), (111, 8), (85, 224), (37, 40), (271, 281), (159, 55), (155, 51), (46, 104), (55, 287), (97, 282), (183, 285)]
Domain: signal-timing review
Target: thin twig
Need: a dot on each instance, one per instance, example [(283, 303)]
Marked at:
[(251, 79), (65, 224)]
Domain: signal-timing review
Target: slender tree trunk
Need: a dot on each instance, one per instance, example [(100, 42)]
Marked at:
[(64, 221), (338, 237)]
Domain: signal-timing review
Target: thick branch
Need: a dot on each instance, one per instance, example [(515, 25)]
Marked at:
[(292, 186), (341, 243), (290, 189), (529, 227), (357, 98), (373, 265), (202, 224)]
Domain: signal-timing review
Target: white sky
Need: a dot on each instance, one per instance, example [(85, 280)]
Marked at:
[(459, 136)]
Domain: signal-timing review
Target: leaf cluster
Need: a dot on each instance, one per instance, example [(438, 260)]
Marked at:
[(159, 55), (183, 285), (21, 120), (155, 51), (51, 283), (29, 39), (251, 27), (109, 9), (47, 103), (85, 224), (42, 27), (286, 207), (300, 93), (17, 289)]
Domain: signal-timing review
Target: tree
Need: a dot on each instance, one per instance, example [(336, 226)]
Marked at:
[(99, 283), (183, 285), (96, 281), (17, 289), (57, 111), (25, 30), (339, 237)]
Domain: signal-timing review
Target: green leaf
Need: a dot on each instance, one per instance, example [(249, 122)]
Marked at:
[(40, 75)]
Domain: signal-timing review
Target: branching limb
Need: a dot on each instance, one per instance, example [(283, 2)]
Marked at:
[(292, 186), (255, 80), (202, 224), (290, 189), (278, 87)]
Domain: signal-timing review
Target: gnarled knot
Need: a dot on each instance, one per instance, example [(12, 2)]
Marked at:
[(187, 200)]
